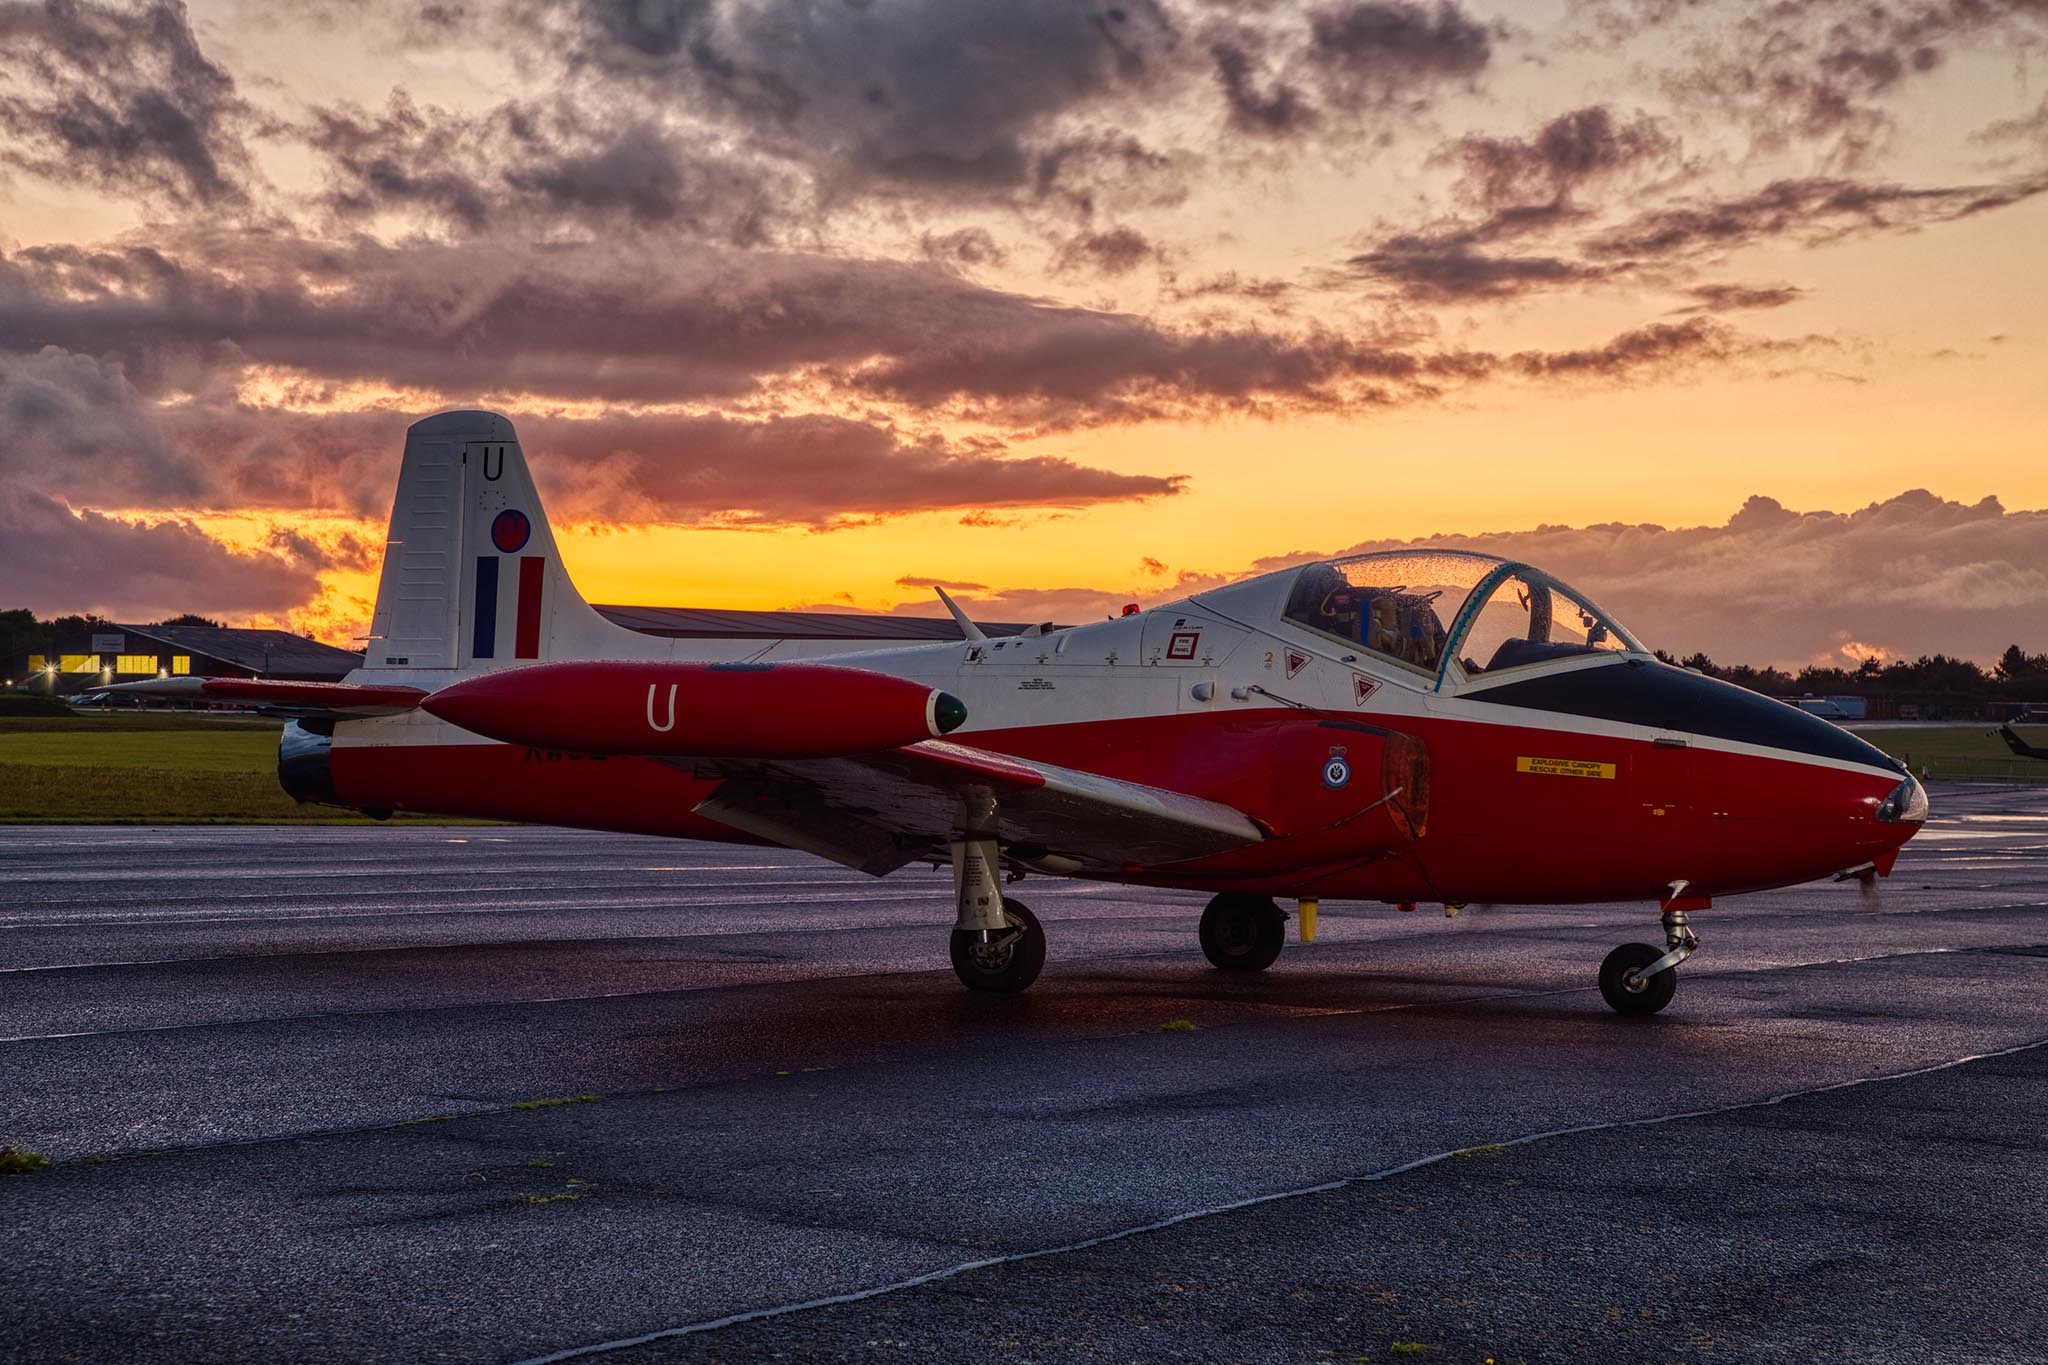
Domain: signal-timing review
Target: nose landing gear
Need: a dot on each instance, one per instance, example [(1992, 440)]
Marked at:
[(1637, 979)]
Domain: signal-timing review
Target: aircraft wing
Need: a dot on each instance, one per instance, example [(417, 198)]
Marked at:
[(275, 697), (876, 812)]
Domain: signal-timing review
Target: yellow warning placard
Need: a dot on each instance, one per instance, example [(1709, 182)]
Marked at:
[(1564, 767)]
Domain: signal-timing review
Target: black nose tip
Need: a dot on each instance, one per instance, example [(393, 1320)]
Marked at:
[(949, 713)]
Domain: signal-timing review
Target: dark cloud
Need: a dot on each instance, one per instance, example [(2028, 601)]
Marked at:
[(1525, 188), (1730, 298), (1568, 153), (1807, 211), (630, 32), (403, 158), (2030, 127), (1116, 251), (1522, 248), (813, 470), (950, 585), (72, 427), (119, 98), (1260, 105), (1372, 51), (1818, 73), (526, 164), (1659, 348), (964, 249), (744, 330), (1231, 285), (605, 323), (957, 95), (1452, 266), (75, 426), (55, 560)]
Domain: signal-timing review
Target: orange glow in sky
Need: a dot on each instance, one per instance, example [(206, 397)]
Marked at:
[(1073, 310)]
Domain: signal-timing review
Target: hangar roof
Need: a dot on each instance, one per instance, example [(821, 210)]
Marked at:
[(276, 653), (707, 623)]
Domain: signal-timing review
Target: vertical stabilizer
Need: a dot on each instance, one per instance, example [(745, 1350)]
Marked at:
[(472, 576)]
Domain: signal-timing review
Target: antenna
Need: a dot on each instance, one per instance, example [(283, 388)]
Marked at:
[(967, 627)]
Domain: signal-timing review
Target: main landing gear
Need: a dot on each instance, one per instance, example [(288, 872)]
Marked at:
[(997, 944), (1637, 979), (1242, 932)]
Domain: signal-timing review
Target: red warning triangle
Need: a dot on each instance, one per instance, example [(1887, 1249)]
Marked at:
[(1296, 661), (1366, 687)]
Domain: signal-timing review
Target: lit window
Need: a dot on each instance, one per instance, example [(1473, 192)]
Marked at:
[(37, 663), (135, 663), (181, 664), (78, 663)]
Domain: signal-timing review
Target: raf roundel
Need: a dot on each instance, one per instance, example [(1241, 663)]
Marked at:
[(510, 530)]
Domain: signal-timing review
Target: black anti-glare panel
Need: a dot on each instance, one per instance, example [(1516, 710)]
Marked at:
[(1639, 692)]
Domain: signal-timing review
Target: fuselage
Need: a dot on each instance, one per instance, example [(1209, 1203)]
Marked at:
[(1605, 776)]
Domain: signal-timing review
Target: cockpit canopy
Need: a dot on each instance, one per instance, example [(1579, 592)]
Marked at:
[(1451, 613)]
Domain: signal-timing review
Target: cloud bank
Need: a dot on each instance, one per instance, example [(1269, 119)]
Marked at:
[(817, 265)]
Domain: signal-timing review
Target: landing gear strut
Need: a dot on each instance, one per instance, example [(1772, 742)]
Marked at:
[(997, 944), (1242, 933), (1637, 979)]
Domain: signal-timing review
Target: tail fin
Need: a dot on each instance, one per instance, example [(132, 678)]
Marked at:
[(472, 576)]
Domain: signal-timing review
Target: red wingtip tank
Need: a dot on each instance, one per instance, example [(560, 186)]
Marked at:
[(720, 710)]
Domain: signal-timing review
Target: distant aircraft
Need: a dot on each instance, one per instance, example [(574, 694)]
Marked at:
[(2017, 745), (1401, 727)]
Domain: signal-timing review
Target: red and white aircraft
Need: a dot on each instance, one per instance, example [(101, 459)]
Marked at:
[(1400, 727)]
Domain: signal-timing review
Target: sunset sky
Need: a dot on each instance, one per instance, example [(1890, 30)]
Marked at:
[(1736, 315)]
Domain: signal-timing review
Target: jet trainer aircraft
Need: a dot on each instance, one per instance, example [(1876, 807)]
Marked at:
[(1401, 727)]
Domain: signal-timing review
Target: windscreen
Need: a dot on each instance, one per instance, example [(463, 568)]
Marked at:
[(1528, 617)]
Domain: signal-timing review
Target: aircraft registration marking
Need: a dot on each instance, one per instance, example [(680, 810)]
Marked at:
[(1564, 767)]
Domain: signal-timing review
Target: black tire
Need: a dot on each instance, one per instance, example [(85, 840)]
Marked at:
[(1242, 933), (1006, 969), (1650, 995)]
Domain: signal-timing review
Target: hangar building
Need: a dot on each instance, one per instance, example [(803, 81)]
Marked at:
[(123, 653)]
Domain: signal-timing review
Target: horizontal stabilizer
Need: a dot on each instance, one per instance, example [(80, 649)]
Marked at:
[(276, 697)]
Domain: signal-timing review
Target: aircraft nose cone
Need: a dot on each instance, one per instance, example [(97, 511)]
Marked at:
[(949, 713)]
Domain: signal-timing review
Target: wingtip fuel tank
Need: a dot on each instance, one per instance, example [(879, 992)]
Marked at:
[(715, 710)]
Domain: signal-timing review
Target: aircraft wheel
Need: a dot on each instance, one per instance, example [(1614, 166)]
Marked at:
[(1242, 933), (1006, 967), (1648, 995)]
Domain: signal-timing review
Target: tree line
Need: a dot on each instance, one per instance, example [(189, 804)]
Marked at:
[(22, 633), (1940, 685)]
